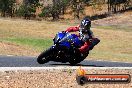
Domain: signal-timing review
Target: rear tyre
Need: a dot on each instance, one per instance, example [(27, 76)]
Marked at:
[(76, 57), (44, 57), (73, 62)]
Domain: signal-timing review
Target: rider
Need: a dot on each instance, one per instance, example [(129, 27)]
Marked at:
[(85, 34)]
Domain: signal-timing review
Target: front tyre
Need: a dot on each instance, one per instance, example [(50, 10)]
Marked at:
[(44, 57)]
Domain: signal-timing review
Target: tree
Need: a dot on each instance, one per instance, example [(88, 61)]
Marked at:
[(28, 9), (64, 4), (25, 11), (6, 7), (77, 7), (55, 10), (97, 5)]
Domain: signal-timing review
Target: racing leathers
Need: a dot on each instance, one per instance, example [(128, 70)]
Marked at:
[(86, 36)]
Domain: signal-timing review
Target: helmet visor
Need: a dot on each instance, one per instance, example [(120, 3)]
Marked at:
[(85, 27)]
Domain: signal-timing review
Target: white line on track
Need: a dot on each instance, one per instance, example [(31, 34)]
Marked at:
[(59, 68)]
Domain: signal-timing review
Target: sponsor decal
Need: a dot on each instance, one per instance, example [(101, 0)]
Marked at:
[(82, 77)]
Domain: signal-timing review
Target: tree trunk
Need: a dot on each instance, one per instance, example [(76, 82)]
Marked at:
[(55, 16)]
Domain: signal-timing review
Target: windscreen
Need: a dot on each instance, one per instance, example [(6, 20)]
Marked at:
[(67, 38)]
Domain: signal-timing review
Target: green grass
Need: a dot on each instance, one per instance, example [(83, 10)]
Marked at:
[(38, 44)]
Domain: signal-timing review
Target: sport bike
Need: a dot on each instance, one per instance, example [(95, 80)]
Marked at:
[(65, 49)]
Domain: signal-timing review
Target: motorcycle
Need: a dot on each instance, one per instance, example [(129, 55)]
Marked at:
[(65, 49)]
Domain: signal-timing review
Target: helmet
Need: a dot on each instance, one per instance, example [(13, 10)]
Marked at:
[(85, 24)]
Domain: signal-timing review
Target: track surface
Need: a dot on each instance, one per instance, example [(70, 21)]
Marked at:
[(23, 61)]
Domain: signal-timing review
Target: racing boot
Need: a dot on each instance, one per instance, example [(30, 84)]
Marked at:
[(94, 42)]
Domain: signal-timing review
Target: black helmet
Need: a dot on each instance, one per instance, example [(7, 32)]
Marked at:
[(85, 24)]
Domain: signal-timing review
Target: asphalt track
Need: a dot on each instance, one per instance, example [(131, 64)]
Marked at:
[(25, 61)]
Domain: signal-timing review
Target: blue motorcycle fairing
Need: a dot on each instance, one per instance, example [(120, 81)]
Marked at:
[(58, 37), (77, 41), (65, 39)]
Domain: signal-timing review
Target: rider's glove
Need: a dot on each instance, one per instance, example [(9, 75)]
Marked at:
[(63, 31)]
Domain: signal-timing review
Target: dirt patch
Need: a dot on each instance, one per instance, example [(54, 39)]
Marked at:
[(29, 28), (121, 19), (55, 79), (14, 49)]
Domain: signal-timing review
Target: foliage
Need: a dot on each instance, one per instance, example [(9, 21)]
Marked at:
[(25, 9), (6, 7), (45, 12), (28, 9), (57, 8), (33, 1), (54, 10), (77, 7)]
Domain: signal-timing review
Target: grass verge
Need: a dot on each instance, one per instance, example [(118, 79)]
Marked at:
[(37, 44)]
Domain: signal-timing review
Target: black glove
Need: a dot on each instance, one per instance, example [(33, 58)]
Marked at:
[(63, 31)]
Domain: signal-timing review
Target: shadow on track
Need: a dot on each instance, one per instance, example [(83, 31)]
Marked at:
[(63, 64)]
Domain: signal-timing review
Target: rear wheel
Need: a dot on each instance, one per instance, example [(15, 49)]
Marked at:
[(77, 57), (74, 60)]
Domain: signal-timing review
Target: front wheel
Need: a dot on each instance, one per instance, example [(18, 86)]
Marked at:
[(44, 57)]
